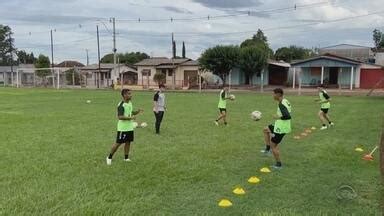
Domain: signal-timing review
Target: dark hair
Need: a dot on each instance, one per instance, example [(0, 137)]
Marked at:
[(321, 85), (278, 91), (161, 86), (124, 91)]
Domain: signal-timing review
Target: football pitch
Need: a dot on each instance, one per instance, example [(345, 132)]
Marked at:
[(54, 145)]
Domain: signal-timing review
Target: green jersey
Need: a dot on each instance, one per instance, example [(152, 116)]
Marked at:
[(223, 99), (324, 97), (125, 109), (283, 125)]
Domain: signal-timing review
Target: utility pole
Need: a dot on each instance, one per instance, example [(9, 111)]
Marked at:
[(114, 43), (173, 64), (52, 64), (98, 56), (86, 50), (11, 50)]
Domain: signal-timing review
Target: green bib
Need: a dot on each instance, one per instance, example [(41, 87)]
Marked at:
[(222, 102), (326, 105), (283, 126), (126, 125)]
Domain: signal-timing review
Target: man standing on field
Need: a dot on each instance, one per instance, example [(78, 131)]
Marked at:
[(223, 106), (159, 107), (325, 104), (273, 134), (125, 125)]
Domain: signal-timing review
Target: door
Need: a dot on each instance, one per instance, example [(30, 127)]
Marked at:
[(190, 77), (333, 75)]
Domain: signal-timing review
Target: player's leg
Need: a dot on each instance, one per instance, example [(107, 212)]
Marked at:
[(326, 116), (224, 116), (275, 140), (129, 139), (157, 122), (321, 115), (115, 146), (267, 138), (219, 117), (161, 115)]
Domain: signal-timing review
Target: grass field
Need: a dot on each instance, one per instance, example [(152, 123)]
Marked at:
[(54, 144)]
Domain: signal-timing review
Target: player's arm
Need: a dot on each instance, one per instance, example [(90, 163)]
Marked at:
[(137, 112), (285, 115)]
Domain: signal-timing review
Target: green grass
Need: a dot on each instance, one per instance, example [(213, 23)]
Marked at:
[(53, 149)]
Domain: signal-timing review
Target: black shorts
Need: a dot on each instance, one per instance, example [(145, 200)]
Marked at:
[(124, 137), (221, 110), (276, 137), (324, 110)]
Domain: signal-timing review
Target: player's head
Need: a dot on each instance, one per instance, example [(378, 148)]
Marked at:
[(320, 87), (162, 87), (126, 94), (225, 87), (278, 94)]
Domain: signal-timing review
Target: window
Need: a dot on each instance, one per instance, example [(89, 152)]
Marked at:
[(146, 72), (170, 72)]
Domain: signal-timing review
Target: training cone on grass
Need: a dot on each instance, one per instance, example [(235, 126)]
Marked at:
[(308, 131), (369, 157), (304, 134), (313, 128), (359, 149), (296, 137), (239, 191), (253, 180), (265, 170), (225, 203)]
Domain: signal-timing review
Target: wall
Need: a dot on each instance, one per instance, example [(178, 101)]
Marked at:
[(369, 77)]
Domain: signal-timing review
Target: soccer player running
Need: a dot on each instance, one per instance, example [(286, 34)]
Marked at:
[(325, 104), (273, 134), (125, 125), (159, 107), (222, 106)]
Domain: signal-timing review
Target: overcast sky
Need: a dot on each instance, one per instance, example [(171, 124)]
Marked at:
[(313, 23)]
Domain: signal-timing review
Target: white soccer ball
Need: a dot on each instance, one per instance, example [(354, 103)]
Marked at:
[(135, 124), (232, 97), (256, 115), (88, 101), (144, 124)]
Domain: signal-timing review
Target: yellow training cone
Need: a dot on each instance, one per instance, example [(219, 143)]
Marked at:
[(265, 170), (308, 131), (359, 149), (313, 128), (253, 180), (296, 137), (225, 203), (239, 191), (304, 134)]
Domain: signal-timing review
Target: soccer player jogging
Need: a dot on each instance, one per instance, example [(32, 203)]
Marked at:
[(125, 125), (325, 104), (223, 106), (273, 134), (159, 107)]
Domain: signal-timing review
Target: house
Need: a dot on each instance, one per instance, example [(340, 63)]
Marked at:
[(69, 64), (335, 71), (355, 52), (379, 57), (179, 73), (108, 75), (24, 73), (276, 73)]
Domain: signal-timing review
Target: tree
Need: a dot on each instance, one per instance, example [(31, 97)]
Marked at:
[(258, 40), (252, 59), (6, 45), (125, 58), (43, 62), (159, 78), (378, 39), (290, 53), (183, 50), (220, 60), (25, 58)]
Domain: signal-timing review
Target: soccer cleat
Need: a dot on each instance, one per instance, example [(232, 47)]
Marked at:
[(127, 160), (276, 167), (216, 123), (323, 128), (109, 161), (332, 124), (265, 152)]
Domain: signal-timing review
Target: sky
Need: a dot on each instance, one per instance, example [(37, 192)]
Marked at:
[(199, 23)]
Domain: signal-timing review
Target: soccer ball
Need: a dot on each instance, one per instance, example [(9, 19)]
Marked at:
[(232, 97), (88, 101), (144, 124), (135, 124), (256, 115)]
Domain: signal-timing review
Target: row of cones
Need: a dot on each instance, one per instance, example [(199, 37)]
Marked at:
[(240, 191), (305, 133), (367, 157)]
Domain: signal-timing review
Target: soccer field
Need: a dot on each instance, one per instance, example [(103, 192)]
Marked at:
[(54, 145)]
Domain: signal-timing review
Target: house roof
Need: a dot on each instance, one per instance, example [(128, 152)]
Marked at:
[(190, 63), (156, 61), (329, 57), (70, 64), (279, 63), (345, 46)]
